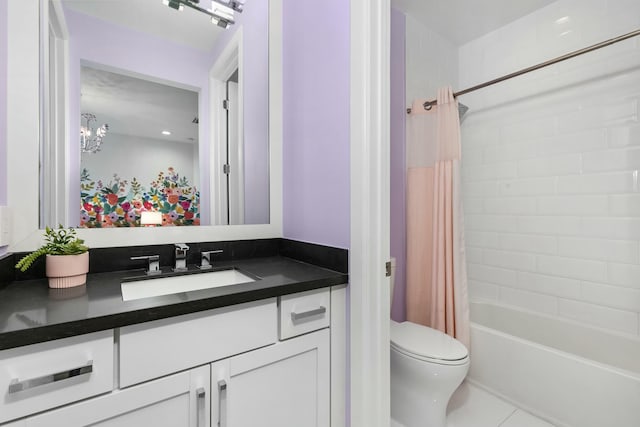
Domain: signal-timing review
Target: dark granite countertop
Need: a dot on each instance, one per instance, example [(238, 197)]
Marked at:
[(30, 312)]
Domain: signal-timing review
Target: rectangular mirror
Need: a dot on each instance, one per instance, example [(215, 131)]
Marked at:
[(37, 140), (152, 109)]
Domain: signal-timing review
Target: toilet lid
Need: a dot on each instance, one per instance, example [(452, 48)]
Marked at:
[(423, 342)]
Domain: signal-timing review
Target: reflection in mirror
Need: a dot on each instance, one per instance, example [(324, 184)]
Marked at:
[(233, 194), (145, 159), (101, 53)]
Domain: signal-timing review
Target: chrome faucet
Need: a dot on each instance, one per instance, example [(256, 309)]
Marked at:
[(205, 259), (154, 264), (181, 257)]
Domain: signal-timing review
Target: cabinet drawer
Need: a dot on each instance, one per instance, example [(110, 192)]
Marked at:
[(153, 349), (304, 312), (42, 376), (178, 400)]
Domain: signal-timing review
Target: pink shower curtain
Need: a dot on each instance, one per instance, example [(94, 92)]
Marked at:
[(436, 273)]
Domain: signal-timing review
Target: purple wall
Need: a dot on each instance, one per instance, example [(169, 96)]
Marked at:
[(103, 43), (255, 79), (316, 69), (398, 156)]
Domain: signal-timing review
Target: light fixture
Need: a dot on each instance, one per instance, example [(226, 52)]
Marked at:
[(150, 218), (237, 5), (220, 23), (166, 132), (173, 4), (90, 135), (221, 11)]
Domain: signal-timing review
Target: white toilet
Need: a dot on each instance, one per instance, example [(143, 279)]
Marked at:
[(426, 368)]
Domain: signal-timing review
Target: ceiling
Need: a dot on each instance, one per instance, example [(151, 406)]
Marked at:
[(461, 21), (139, 108), (189, 27)]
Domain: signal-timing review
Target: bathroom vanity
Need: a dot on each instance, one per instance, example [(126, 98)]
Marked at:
[(249, 354)]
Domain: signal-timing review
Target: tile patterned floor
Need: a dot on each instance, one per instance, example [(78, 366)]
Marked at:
[(471, 406)]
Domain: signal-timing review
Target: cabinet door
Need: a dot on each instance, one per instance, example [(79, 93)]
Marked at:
[(178, 400), (284, 385)]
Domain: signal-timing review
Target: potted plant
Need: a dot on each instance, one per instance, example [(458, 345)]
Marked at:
[(67, 258)]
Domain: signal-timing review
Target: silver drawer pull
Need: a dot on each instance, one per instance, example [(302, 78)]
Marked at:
[(200, 406), (297, 316), (16, 385), (222, 389)]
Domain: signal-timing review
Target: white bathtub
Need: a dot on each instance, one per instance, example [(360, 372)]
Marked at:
[(567, 373)]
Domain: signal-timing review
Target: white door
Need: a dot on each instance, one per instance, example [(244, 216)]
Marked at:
[(179, 400), (283, 385), (235, 157)]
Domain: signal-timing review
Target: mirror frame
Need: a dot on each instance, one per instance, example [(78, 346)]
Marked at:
[(26, 20)]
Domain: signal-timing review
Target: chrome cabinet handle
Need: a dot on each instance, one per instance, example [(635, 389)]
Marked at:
[(222, 388), (298, 316), (200, 406), (16, 385)]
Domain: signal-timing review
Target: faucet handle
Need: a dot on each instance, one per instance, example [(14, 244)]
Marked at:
[(181, 247), (154, 263), (205, 259), (181, 257)]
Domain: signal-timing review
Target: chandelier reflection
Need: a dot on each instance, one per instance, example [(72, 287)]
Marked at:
[(90, 135)]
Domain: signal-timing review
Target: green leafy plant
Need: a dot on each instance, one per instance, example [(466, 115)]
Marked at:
[(61, 241)]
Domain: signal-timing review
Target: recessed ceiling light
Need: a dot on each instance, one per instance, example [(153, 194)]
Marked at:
[(166, 132), (173, 4)]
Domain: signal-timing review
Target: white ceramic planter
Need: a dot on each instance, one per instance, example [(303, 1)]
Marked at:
[(66, 271)]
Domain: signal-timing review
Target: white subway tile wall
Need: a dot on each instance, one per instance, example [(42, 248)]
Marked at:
[(550, 165), (424, 75)]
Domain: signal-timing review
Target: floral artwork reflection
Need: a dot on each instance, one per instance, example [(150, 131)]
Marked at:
[(119, 202)]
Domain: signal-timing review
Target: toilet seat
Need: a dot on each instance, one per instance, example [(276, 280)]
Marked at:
[(426, 344)]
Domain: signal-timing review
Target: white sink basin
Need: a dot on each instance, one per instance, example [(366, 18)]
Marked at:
[(153, 287)]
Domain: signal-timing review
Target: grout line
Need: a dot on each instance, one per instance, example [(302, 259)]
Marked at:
[(508, 416)]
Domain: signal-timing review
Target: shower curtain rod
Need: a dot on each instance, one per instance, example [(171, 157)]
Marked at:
[(427, 105)]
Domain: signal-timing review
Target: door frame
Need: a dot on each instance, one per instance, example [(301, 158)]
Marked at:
[(54, 183), (235, 155), (370, 217), (229, 60)]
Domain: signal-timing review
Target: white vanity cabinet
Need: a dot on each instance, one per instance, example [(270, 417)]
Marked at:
[(153, 349), (304, 312), (284, 385), (179, 400), (41, 376), (265, 363)]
